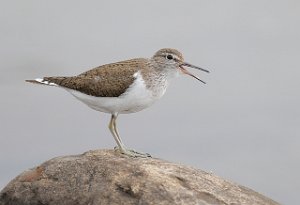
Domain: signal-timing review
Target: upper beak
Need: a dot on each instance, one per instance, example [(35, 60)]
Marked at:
[(191, 66)]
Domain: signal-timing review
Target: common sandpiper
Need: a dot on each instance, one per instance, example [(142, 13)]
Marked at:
[(124, 87)]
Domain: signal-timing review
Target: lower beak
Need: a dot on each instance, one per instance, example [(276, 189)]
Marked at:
[(183, 70)]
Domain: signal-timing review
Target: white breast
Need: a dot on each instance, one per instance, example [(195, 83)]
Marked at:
[(136, 98)]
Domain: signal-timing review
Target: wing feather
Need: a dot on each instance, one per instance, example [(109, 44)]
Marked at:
[(110, 80)]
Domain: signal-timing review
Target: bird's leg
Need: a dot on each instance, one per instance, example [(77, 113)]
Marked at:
[(111, 127), (121, 146), (115, 128)]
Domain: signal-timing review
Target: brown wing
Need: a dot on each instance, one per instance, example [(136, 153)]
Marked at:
[(110, 80)]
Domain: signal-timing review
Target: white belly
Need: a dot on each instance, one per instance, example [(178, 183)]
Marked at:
[(136, 98)]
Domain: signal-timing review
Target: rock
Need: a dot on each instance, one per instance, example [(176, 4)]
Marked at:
[(106, 177)]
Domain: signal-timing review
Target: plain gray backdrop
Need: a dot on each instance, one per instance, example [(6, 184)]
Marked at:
[(243, 125)]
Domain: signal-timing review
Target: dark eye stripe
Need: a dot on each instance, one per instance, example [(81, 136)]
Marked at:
[(170, 57), (165, 56)]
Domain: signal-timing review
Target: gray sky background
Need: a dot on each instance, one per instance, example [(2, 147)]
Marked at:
[(244, 125)]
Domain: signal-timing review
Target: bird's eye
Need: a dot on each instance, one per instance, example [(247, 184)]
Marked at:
[(169, 57)]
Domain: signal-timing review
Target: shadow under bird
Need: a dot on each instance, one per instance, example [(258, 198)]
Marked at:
[(124, 87)]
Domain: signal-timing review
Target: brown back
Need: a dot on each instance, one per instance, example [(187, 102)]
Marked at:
[(110, 80)]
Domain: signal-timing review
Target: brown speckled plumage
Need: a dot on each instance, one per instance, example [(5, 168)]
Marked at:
[(110, 80)]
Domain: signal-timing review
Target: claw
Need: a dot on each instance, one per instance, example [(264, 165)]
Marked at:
[(132, 153)]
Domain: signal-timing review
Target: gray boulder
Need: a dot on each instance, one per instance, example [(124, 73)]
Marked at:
[(106, 177)]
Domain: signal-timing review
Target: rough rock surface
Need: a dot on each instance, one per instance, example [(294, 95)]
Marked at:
[(106, 177)]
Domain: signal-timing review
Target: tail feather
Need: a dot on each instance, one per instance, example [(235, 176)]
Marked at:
[(41, 81)]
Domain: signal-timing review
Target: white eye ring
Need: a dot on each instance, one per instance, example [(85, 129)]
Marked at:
[(169, 57)]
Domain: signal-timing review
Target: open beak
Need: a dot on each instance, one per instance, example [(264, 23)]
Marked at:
[(183, 70)]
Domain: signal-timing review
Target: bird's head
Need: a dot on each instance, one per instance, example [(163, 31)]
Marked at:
[(172, 61)]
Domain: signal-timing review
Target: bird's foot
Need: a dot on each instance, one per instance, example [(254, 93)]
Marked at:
[(132, 153), (140, 154)]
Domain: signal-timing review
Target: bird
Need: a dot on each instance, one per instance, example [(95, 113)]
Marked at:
[(124, 87)]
